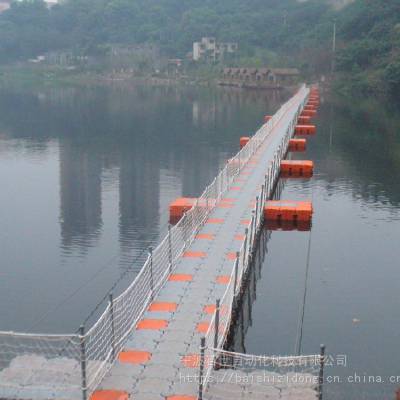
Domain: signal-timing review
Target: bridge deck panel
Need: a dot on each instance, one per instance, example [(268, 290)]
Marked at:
[(181, 336)]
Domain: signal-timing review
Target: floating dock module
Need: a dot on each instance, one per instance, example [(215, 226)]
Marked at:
[(267, 118), (178, 207), (310, 108), (243, 141), (288, 211), (297, 145), (309, 113), (302, 226), (305, 130), (304, 120), (297, 168)]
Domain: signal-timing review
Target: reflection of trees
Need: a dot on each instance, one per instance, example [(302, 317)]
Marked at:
[(138, 131)]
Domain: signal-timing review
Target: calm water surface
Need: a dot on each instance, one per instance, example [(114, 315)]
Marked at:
[(353, 283), (86, 178)]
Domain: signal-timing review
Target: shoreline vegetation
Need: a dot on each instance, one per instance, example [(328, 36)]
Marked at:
[(37, 76), (138, 34), (49, 75)]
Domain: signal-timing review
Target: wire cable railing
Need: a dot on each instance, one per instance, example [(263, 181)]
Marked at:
[(70, 366)]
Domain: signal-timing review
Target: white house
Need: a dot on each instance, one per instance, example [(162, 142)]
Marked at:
[(209, 48)]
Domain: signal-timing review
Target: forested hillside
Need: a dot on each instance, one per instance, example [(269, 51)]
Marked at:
[(291, 32), (28, 28), (369, 49)]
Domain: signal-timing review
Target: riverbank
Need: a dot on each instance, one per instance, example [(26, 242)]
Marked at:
[(44, 75), (48, 75)]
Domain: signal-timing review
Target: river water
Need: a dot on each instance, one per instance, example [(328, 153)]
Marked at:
[(86, 178)]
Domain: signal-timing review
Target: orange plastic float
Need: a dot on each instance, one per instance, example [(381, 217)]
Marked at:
[(310, 108), (288, 210), (223, 279), (135, 357), (301, 226), (152, 324), (305, 130), (304, 120), (109, 395), (178, 207), (202, 327), (297, 168), (194, 254), (163, 307), (180, 278), (205, 236), (308, 113), (297, 145), (243, 141)]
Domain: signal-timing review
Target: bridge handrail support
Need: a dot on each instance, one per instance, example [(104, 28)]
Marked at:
[(201, 367)]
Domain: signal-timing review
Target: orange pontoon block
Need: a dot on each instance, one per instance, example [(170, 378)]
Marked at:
[(305, 130), (267, 118), (302, 226), (308, 113), (288, 211), (297, 145), (183, 204), (178, 207), (297, 168), (109, 395), (304, 120), (243, 141), (310, 108)]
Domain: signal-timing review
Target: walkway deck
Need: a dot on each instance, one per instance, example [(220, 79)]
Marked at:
[(180, 314)]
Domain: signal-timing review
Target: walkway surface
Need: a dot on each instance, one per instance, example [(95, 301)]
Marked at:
[(156, 362)]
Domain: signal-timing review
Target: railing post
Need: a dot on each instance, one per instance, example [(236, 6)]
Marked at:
[(83, 361), (216, 324), (262, 199), (236, 269), (321, 371), (251, 234), (151, 272), (256, 216), (270, 182), (169, 248), (266, 185), (111, 304), (201, 371), (246, 234)]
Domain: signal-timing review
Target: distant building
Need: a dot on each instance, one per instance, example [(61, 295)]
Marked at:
[(209, 49), (259, 77)]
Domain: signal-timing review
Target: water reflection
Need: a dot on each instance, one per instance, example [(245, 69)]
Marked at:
[(349, 304), (80, 198), (96, 169)]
